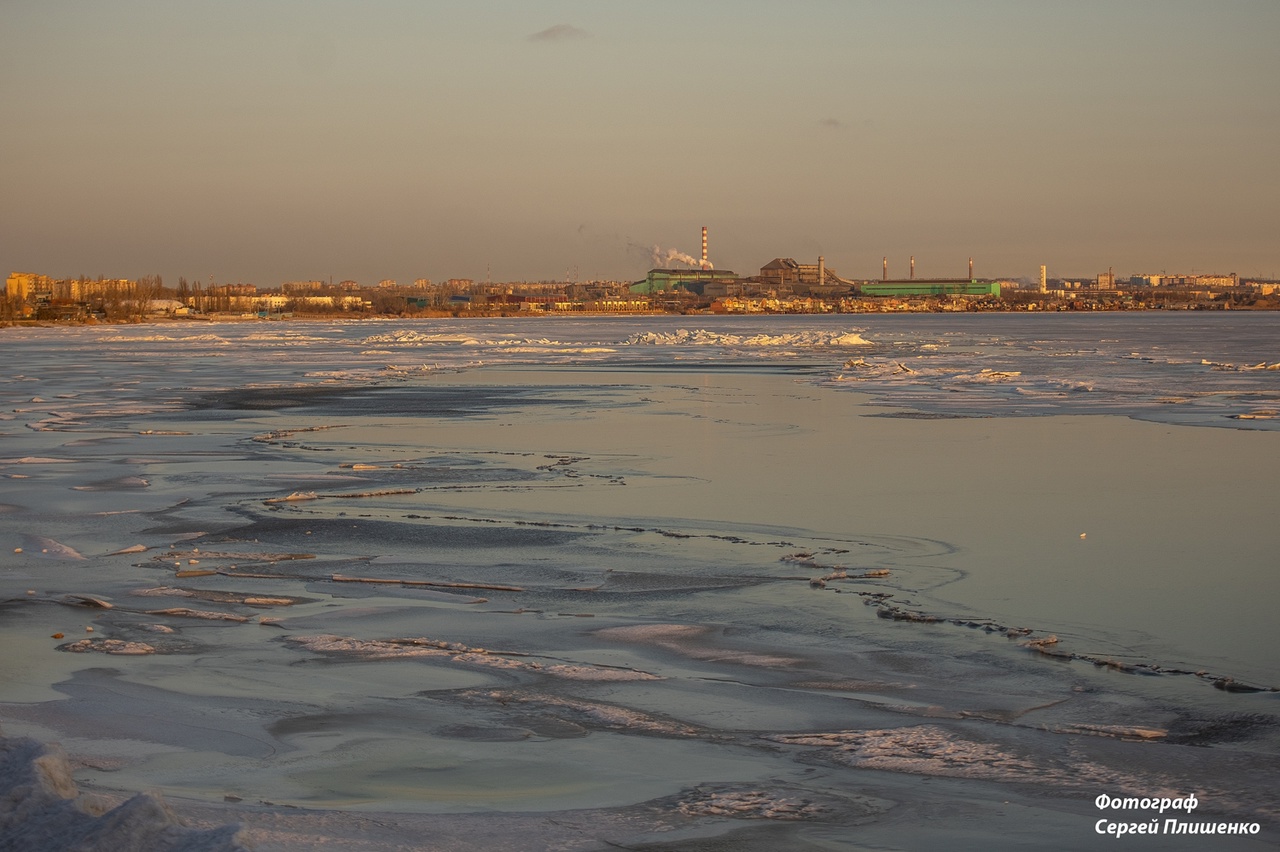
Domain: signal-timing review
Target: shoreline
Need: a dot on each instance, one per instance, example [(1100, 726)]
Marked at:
[(556, 315)]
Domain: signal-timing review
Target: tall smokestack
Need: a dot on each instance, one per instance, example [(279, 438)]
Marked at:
[(913, 267), (822, 270), (884, 276), (970, 269), (704, 246)]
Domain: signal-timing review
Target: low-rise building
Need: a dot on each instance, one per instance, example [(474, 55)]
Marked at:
[(931, 287), (693, 280)]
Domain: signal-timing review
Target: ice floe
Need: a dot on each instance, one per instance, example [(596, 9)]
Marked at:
[(218, 596), (47, 548), (118, 647), (206, 615), (43, 810), (389, 649), (596, 715), (750, 804), (925, 749), (680, 639), (706, 337)]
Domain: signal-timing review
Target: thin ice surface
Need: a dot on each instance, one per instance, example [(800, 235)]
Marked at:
[(692, 586)]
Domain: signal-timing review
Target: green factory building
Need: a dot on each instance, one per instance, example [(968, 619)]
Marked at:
[(931, 287), (693, 280)]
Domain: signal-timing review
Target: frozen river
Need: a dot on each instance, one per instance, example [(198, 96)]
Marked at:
[(812, 582)]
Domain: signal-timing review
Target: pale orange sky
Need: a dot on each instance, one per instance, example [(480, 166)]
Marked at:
[(266, 142)]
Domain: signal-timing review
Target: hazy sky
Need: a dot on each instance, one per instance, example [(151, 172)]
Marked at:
[(269, 141)]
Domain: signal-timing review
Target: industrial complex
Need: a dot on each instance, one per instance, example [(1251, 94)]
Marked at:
[(782, 285), (784, 276)]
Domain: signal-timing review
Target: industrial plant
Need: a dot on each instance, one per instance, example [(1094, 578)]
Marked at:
[(805, 286), (781, 285)]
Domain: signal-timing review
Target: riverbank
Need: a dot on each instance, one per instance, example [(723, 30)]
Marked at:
[(870, 307)]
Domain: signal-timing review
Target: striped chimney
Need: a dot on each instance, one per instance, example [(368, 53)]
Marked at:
[(704, 246)]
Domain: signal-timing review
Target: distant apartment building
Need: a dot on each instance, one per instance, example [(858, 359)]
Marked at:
[(31, 286), (83, 290), (21, 286), (233, 290), (1231, 280), (344, 303), (301, 286), (272, 303), (1192, 281)]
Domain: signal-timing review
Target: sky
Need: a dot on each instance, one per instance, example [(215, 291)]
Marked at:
[(287, 140)]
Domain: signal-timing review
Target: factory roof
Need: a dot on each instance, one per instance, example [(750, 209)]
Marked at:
[(695, 272)]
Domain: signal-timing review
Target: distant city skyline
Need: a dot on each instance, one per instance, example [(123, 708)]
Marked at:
[(400, 140)]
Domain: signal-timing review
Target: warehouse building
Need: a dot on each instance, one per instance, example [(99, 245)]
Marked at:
[(932, 287), (693, 280)]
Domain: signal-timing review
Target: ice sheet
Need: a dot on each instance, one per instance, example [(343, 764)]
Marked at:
[(681, 573)]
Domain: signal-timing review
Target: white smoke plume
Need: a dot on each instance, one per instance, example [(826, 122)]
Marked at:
[(663, 258)]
